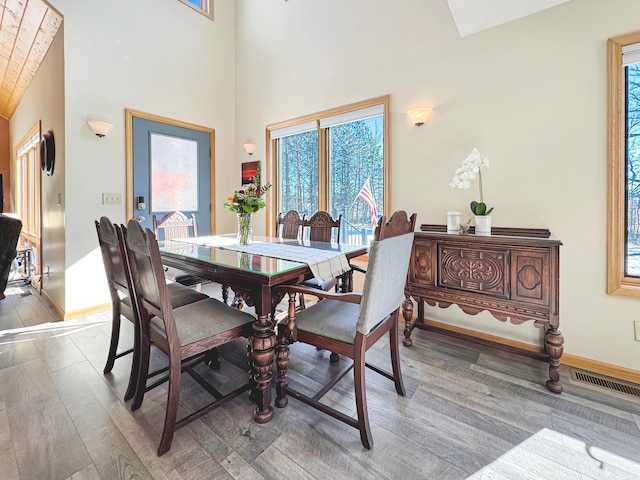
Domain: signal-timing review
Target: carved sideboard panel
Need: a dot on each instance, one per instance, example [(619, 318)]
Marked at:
[(515, 278)]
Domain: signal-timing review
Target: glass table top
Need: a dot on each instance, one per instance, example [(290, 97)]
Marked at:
[(211, 249)]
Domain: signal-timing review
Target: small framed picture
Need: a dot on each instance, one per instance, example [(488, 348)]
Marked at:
[(249, 170)]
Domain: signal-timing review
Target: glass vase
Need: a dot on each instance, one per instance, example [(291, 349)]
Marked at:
[(245, 230)]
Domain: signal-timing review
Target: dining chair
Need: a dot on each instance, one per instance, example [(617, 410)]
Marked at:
[(321, 227), (116, 265), (182, 333), (172, 226), (289, 225), (175, 225), (351, 323)]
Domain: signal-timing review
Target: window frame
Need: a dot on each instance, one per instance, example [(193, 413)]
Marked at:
[(206, 7), (28, 193), (323, 167), (618, 283)]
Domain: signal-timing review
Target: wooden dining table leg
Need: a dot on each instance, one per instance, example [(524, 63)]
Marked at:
[(263, 344)]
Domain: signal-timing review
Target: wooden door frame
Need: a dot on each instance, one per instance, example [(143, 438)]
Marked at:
[(129, 116)]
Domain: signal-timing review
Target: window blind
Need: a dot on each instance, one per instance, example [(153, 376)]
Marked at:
[(630, 54), (29, 144), (352, 116), (294, 129)]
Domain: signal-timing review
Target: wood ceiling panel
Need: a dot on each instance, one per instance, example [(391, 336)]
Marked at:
[(44, 37), (27, 28), (12, 14), (31, 20)]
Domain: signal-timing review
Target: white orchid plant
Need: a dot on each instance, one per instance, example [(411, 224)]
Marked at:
[(467, 171)]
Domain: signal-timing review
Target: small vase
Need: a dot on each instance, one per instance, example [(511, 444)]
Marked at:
[(453, 222), (483, 225), (245, 230)]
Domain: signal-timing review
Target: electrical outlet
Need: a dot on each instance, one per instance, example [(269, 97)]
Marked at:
[(111, 199), (636, 330)]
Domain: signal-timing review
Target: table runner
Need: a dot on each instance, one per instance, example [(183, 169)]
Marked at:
[(324, 264), (209, 241)]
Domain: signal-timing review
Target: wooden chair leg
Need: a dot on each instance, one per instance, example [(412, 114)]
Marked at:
[(225, 293), (143, 371), (173, 398), (282, 363), (361, 392), (135, 367), (212, 358), (395, 354), (115, 338)]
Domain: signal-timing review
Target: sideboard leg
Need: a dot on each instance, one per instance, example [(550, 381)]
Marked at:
[(407, 314), (554, 342)]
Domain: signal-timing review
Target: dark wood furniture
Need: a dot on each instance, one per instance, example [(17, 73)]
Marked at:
[(289, 225), (118, 271), (182, 333), (514, 274), (254, 279), (349, 324), (321, 227), (177, 225)]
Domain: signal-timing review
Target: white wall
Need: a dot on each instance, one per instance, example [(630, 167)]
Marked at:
[(44, 101), (155, 56), (529, 94)]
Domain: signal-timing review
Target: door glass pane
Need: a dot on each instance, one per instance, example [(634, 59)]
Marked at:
[(298, 168), (174, 178), (356, 176)]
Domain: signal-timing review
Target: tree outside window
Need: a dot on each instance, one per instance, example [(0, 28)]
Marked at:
[(337, 162)]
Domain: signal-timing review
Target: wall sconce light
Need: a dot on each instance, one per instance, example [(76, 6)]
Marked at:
[(100, 128), (250, 146), (419, 115)]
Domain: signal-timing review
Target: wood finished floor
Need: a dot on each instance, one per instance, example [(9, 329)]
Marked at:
[(470, 412)]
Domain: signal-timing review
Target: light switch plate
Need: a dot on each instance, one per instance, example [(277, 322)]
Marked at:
[(111, 199)]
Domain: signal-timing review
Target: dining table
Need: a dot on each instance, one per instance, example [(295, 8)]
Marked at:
[(254, 272)]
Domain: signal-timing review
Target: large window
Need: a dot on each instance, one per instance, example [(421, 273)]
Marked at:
[(624, 166), (336, 161), (27, 193)]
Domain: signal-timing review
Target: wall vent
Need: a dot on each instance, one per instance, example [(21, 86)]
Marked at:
[(605, 382)]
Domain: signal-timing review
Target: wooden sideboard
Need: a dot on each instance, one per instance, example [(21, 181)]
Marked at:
[(513, 274)]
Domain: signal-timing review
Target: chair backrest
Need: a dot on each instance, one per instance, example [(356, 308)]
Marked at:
[(114, 257), (321, 227), (175, 225), (289, 226), (386, 278), (148, 278)]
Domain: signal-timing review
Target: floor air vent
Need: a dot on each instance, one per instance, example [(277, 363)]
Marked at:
[(606, 382)]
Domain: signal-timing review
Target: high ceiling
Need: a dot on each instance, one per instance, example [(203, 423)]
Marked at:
[(473, 16), (27, 28)]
